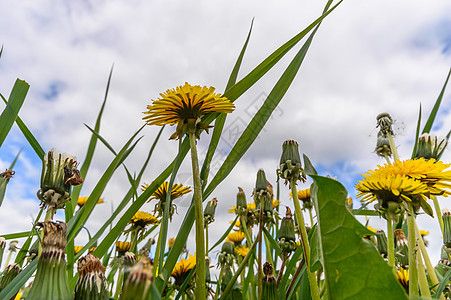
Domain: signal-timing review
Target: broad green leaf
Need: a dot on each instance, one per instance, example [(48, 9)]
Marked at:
[(353, 267), (15, 101), (308, 166), (315, 252), (428, 126), (365, 212)]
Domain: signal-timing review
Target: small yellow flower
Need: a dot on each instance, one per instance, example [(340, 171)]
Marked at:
[(251, 206), (18, 296), (303, 195), (123, 247), (82, 200), (184, 106), (275, 203), (236, 237), (160, 194), (78, 249), (403, 277), (142, 219), (371, 229), (171, 242), (424, 232), (182, 269), (241, 250)]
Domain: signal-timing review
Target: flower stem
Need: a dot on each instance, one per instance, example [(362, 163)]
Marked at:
[(218, 288), (201, 292), (438, 211), (206, 239), (311, 217), (157, 253), (304, 241), (390, 243), (394, 151), (424, 286), (259, 258), (413, 269)]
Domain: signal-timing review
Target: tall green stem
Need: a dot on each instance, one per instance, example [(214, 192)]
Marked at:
[(424, 285), (304, 241), (157, 253), (413, 268), (438, 211), (201, 291), (259, 258), (394, 151), (390, 243)]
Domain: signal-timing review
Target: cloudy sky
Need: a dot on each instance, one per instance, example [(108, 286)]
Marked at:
[(368, 57)]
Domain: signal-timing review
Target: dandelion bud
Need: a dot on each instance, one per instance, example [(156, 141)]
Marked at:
[(385, 122), (92, 283), (171, 243), (381, 242), (59, 173), (209, 212), (241, 205), (4, 179), (383, 145), (10, 272), (447, 228), (51, 276), (261, 183), (286, 234), (429, 146), (401, 247), (226, 256), (136, 287), (269, 290), (290, 162), (129, 259)]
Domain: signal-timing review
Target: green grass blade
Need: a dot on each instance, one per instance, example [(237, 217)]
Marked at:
[(13, 287), (92, 145), (428, 126), (261, 117), (223, 237), (79, 220), (28, 135), (121, 206), (17, 235), (219, 123), (417, 135), (442, 284), (4, 181), (9, 114), (249, 80), (24, 249), (273, 243)]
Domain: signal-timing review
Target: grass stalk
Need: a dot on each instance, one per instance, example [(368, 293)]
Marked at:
[(201, 291), (413, 268), (390, 243), (304, 241), (438, 212)]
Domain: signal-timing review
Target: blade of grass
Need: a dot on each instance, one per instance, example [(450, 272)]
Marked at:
[(442, 284), (13, 287), (273, 243), (92, 144), (428, 126), (15, 102), (417, 134), (4, 183), (17, 235), (28, 135), (80, 218), (223, 237), (123, 203), (219, 123)]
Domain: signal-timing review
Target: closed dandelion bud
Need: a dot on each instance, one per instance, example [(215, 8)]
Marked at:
[(381, 242), (4, 179), (286, 234), (59, 173), (447, 228), (2, 248), (10, 272), (226, 256), (92, 284), (383, 145), (51, 276), (209, 212), (269, 290), (290, 162), (136, 287), (129, 259), (241, 204), (429, 146), (385, 122), (402, 248), (261, 183)]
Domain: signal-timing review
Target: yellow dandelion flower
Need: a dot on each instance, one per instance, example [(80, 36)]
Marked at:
[(182, 269), (236, 237), (371, 229), (389, 188), (82, 200), (185, 105), (171, 242), (251, 206), (142, 219), (241, 250), (403, 277), (232, 210), (275, 203), (430, 172), (18, 296), (424, 232), (177, 191), (123, 247), (77, 249)]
